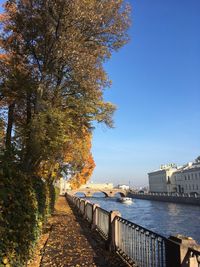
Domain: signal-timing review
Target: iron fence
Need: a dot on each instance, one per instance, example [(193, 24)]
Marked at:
[(137, 245), (145, 248), (170, 194)]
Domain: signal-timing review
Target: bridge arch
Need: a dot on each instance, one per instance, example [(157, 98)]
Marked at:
[(80, 194), (94, 194), (89, 192), (119, 193)]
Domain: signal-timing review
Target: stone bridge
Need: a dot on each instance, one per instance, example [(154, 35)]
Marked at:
[(107, 192)]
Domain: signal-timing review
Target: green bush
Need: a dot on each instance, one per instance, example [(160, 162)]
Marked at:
[(42, 196), (24, 205)]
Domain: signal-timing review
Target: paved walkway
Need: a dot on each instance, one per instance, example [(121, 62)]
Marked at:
[(71, 243)]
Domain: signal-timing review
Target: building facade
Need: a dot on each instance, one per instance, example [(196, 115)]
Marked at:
[(123, 187), (160, 180), (171, 179), (63, 185), (187, 178)]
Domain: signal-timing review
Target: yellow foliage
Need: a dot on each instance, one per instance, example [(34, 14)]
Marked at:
[(48, 169), (5, 260), (85, 169)]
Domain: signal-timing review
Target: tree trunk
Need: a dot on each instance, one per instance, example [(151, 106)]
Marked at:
[(9, 127), (28, 111), (27, 156), (38, 99)]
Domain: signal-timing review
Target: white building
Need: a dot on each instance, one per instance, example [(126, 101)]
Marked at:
[(159, 180), (185, 179), (124, 187), (64, 186)]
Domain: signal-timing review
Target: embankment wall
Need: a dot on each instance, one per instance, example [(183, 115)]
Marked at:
[(174, 199)]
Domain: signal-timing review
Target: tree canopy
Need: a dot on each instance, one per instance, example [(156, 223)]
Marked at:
[(53, 79)]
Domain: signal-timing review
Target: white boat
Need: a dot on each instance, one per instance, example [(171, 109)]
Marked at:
[(126, 200)]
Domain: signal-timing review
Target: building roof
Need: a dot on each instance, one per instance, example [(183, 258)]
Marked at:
[(164, 168), (190, 166)]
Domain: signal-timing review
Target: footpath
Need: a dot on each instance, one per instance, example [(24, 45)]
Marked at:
[(68, 241)]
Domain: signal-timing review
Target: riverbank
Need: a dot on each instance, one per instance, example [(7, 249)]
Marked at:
[(167, 198), (68, 241)]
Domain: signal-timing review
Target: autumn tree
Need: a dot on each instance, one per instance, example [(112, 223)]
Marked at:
[(78, 161), (54, 80)]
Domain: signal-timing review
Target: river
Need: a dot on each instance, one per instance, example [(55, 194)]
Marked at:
[(161, 217)]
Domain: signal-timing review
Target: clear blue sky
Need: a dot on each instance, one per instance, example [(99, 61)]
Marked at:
[(156, 87)]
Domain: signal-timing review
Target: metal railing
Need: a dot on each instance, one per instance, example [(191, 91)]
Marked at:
[(135, 242), (103, 222), (170, 194), (137, 245)]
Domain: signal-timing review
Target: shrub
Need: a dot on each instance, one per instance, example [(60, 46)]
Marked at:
[(24, 205)]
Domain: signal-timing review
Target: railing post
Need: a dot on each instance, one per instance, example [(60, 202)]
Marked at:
[(80, 207), (84, 212), (177, 251), (78, 204), (94, 216), (111, 244)]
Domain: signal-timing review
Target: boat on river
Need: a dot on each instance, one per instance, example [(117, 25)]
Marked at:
[(125, 200)]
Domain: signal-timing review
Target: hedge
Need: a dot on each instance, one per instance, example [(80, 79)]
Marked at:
[(25, 203)]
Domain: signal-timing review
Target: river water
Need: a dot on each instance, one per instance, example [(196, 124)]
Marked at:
[(161, 217)]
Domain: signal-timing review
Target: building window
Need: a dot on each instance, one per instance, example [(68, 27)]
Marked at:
[(197, 187), (185, 177), (188, 177), (192, 176), (195, 175)]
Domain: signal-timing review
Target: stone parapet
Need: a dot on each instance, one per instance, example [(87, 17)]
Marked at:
[(167, 198)]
